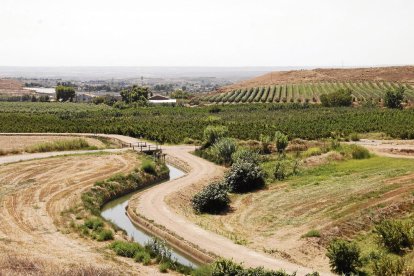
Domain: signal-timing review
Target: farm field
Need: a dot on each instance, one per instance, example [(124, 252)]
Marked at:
[(15, 143), (175, 124), (33, 195), (308, 92)]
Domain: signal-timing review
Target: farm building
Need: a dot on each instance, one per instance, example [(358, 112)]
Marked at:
[(158, 99)]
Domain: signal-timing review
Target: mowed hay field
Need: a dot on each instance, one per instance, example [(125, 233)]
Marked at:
[(33, 196), (9, 143), (339, 198)]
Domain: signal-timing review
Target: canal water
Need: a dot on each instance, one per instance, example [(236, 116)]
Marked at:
[(114, 211)]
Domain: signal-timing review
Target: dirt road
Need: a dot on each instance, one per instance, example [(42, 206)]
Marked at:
[(152, 205)]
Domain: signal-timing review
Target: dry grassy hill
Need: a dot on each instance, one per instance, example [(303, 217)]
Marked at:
[(402, 74), (10, 87)]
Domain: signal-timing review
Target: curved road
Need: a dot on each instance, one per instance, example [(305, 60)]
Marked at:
[(152, 205)]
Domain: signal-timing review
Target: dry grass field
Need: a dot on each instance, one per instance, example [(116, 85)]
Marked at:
[(33, 197)]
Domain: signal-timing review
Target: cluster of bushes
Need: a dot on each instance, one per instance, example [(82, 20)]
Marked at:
[(65, 93), (155, 251), (244, 175), (395, 238), (95, 228), (394, 97), (118, 185), (227, 267)]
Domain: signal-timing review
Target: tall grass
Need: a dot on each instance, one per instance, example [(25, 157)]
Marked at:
[(61, 145)]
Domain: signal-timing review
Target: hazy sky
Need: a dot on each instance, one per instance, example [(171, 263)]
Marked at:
[(206, 32)]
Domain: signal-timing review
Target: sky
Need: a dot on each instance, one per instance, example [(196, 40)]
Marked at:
[(206, 32)]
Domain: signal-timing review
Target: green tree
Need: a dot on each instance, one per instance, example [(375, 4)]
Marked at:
[(180, 94), (344, 257), (394, 97), (281, 141), (65, 93), (244, 176), (135, 94), (212, 199), (213, 133)]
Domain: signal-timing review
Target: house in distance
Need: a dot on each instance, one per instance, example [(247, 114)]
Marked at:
[(159, 99)]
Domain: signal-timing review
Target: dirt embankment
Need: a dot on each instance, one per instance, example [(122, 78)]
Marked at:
[(33, 195), (402, 74)]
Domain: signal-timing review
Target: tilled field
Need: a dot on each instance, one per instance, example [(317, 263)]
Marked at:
[(34, 194)]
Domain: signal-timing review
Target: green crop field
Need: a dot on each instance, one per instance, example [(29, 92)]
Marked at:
[(361, 92), (174, 124)]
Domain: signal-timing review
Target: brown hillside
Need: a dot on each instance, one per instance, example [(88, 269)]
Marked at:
[(404, 74), (11, 87)]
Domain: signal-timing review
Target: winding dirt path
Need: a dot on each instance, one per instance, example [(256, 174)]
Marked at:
[(152, 205)]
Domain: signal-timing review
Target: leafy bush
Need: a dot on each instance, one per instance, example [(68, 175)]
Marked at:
[(246, 155), (354, 137), (223, 150), (149, 166), (281, 141), (163, 268), (126, 249), (344, 257), (265, 141), (143, 257), (314, 151), (213, 133), (94, 223), (394, 98), (388, 266), (396, 235), (212, 199), (343, 97), (105, 235), (244, 176), (359, 152)]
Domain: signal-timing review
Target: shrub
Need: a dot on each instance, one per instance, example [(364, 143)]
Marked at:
[(94, 223), (105, 235), (388, 266), (126, 249), (344, 257), (343, 97), (354, 137), (163, 268), (244, 176), (312, 234), (142, 257), (359, 152), (213, 133), (281, 141), (265, 141), (212, 199), (223, 150), (312, 152), (246, 155), (148, 166), (158, 248), (396, 235), (394, 98)]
